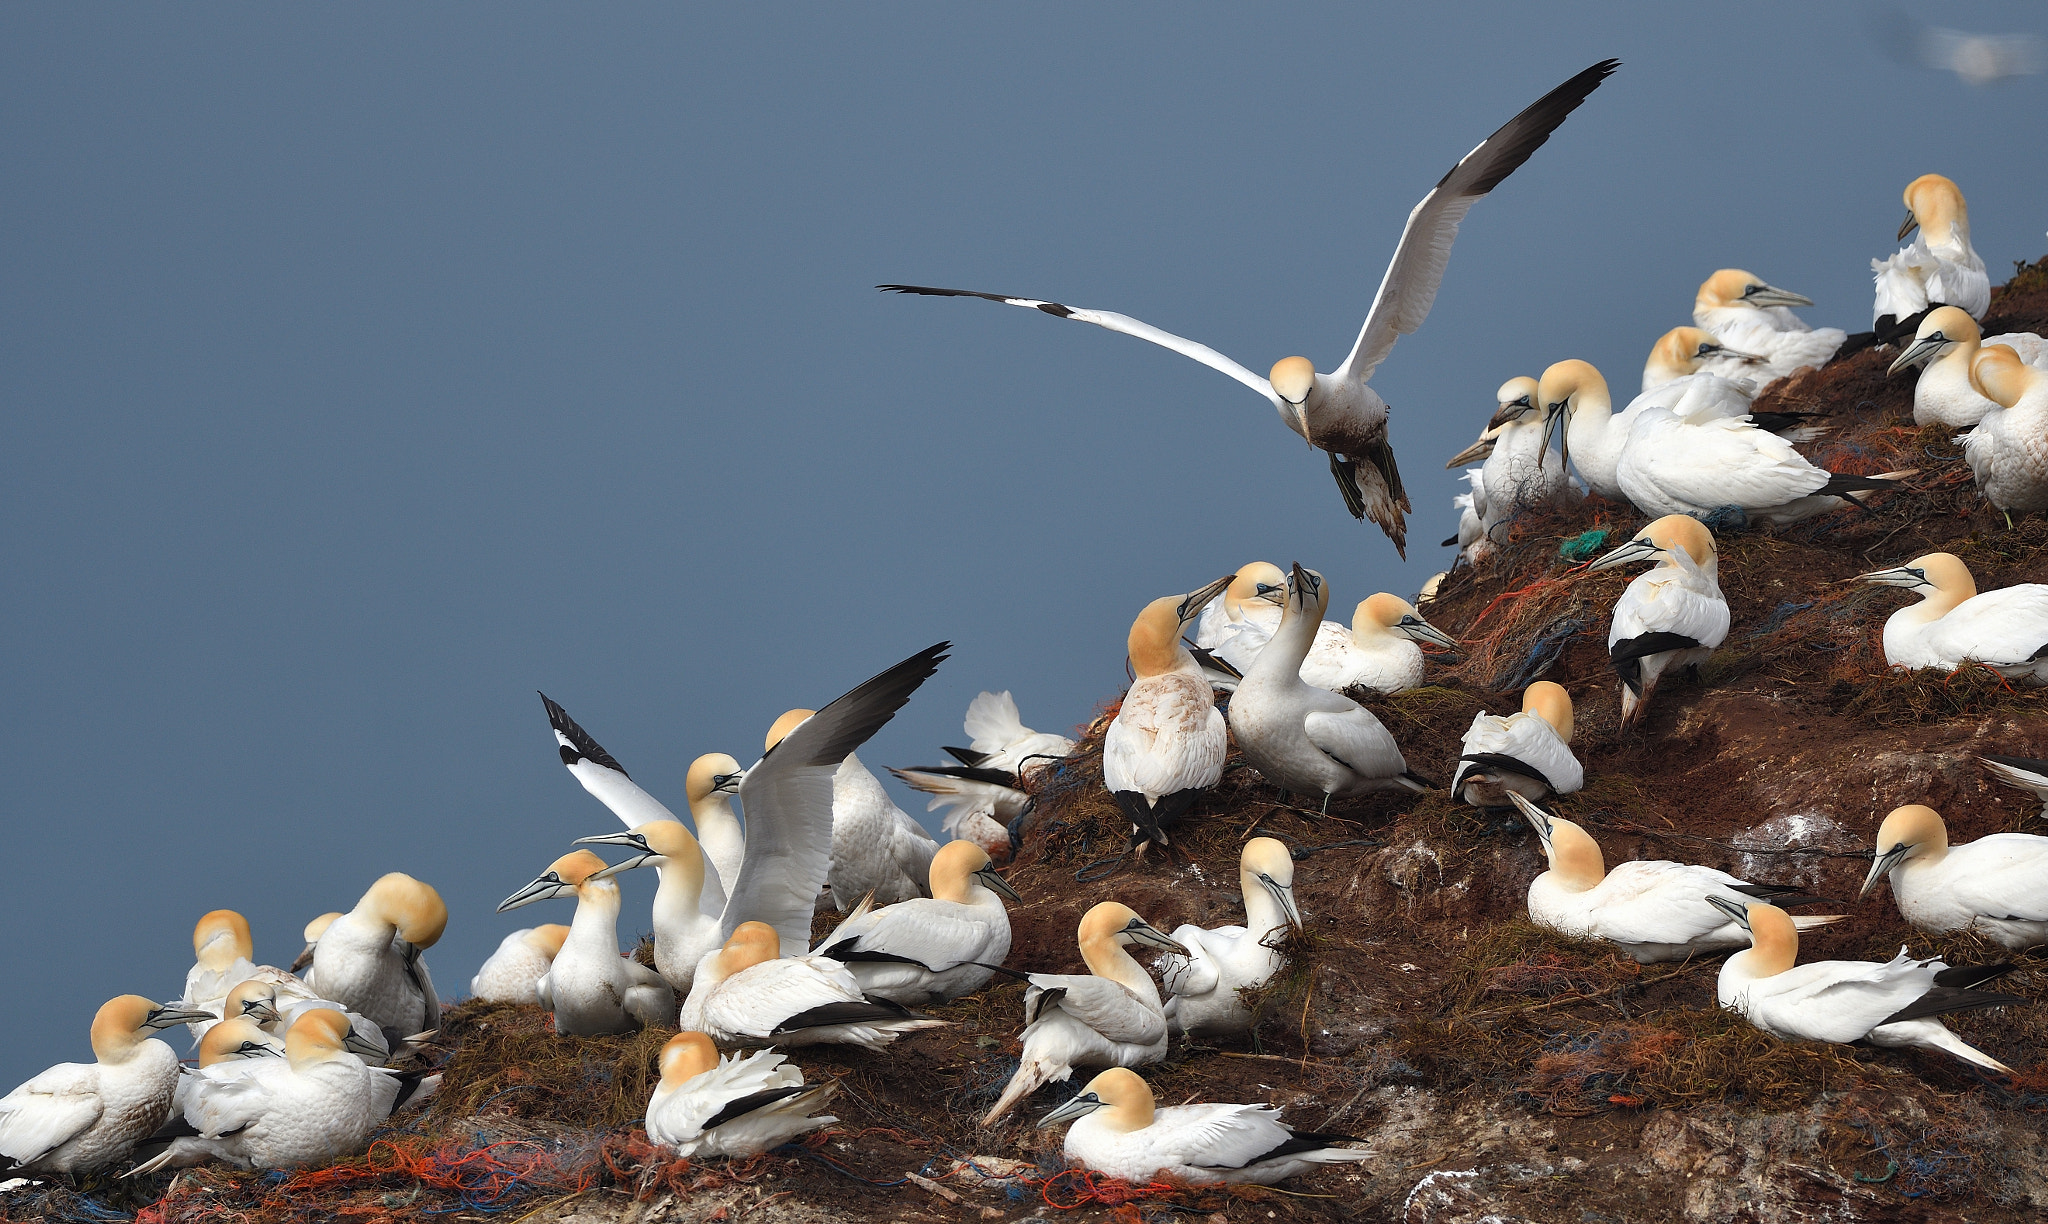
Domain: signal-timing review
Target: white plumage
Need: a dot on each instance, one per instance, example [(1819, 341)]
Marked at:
[(1752, 317), (1945, 348), (1528, 753), (509, 974), (1996, 885), (1202, 987), (2008, 449), (739, 1105), (79, 1118), (589, 986), (1939, 267), (747, 993), (370, 960), (1377, 651), (930, 949), (1672, 616), (2005, 629), (1002, 741), (1167, 742)]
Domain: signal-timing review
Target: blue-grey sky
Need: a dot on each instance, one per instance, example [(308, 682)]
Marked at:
[(367, 368)]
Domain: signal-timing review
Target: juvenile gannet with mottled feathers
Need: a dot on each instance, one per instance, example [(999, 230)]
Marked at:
[(930, 949), (1843, 1001), (748, 993), (2006, 629), (1672, 616), (1167, 742), (1108, 1017), (509, 974), (1118, 1131), (1377, 651), (79, 1118), (2005, 449), (1945, 347), (1939, 268), (370, 959), (1202, 987), (1528, 753), (589, 986), (1753, 317), (739, 1105), (713, 780), (876, 846), (1338, 412), (1653, 910), (1996, 885)]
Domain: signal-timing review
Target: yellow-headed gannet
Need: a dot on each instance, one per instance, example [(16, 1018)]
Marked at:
[(1118, 1131), (713, 780), (1654, 910), (1377, 651), (1945, 347), (1338, 412), (1996, 885), (739, 1105), (1938, 268), (748, 993), (1672, 616), (1891, 1004), (1202, 987), (1528, 753), (1522, 471), (2024, 773), (78, 1118), (303, 964), (930, 949), (1253, 594), (274, 1005), (1303, 738), (1167, 742), (1108, 1017), (589, 986), (683, 932), (223, 954), (981, 807), (2005, 629), (369, 959), (1252, 617), (2005, 449), (876, 846), (1680, 352), (1753, 317), (522, 958)]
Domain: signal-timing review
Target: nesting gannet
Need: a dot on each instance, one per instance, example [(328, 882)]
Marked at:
[(79, 1118), (876, 847), (589, 986), (1167, 742), (683, 932), (1680, 463), (1522, 471), (1654, 910), (1939, 268), (1528, 753), (2005, 449), (2023, 773), (1376, 651), (1679, 353), (1752, 316), (739, 1105), (1202, 987), (1303, 738), (1338, 412), (2006, 629), (369, 959), (1996, 885), (748, 993), (1118, 1131), (1252, 594), (1945, 347), (713, 780), (522, 959), (930, 949), (1000, 741), (1672, 616), (1891, 1004), (273, 1005), (223, 954), (1108, 1017)]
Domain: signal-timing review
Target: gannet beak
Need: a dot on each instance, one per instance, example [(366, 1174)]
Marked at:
[(632, 841), (1920, 350), (172, 1017), (1192, 606), (997, 884), (624, 865), (1538, 819), (1285, 896), (1145, 933), (1722, 350), (1482, 447), (1907, 226), (1272, 593), (356, 1043), (1771, 295), (1554, 416), (728, 783), (1417, 629), (303, 959), (1899, 576), (261, 1012), (1634, 550), (1735, 910), (1079, 1106), (549, 885), (1879, 865)]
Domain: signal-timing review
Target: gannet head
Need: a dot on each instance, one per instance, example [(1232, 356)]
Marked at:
[(220, 938), (1566, 387), (1267, 863), (124, 1022), (1395, 615), (1940, 329), (414, 908), (1154, 642), (711, 774), (1120, 1091), (2000, 376), (752, 943), (1574, 856), (1935, 204), (1734, 287), (1548, 701), (547, 939), (1773, 939), (1660, 539), (1307, 594), (685, 1057), (1679, 352), (322, 1034), (1517, 399), (234, 1037), (254, 999), (1256, 580), (1293, 378), (661, 843), (1113, 922), (790, 721), (960, 863), (563, 878), (1935, 574), (1910, 832)]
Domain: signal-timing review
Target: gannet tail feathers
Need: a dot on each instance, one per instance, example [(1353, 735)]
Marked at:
[(1415, 781), (1964, 977), (966, 756), (2023, 772), (1627, 655), (1940, 1000), (1508, 764), (993, 718), (1808, 922), (1033, 1073), (812, 1096), (870, 1011), (1149, 820)]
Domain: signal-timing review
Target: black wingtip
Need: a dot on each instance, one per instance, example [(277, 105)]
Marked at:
[(1540, 118), (580, 747), (865, 709)]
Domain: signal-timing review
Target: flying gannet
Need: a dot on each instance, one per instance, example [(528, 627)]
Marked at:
[(509, 974), (739, 1105), (1754, 318), (1377, 651), (370, 959), (589, 986), (1938, 268), (79, 1118), (1339, 412), (1996, 885), (930, 949), (2006, 629), (1167, 742), (748, 993), (1528, 753), (1945, 347), (1672, 616), (2005, 449), (1202, 987)]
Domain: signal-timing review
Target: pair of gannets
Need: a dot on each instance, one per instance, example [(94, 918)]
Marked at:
[(588, 986), (2005, 629), (1253, 597), (1939, 268), (738, 1105), (1945, 348), (1167, 742), (1527, 753), (1118, 1130), (1672, 616), (1339, 412), (1890, 1004), (1202, 987), (1522, 470), (1109, 1017), (2005, 449), (79, 1118), (930, 949), (1378, 650), (1996, 885), (370, 959), (511, 974), (1752, 317), (748, 993), (1653, 910)]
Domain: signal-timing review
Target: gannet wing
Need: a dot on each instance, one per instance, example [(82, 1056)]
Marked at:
[(1843, 1000), (788, 801), (1408, 289), (46, 1112), (2008, 625), (1228, 1136), (2004, 880), (1356, 740), (1105, 1006), (925, 934), (1719, 462), (1190, 975), (1534, 742), (600, 773)]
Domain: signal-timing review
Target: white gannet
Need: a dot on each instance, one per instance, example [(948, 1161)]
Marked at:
[(1252, 594), (303, 964), (713, 780), (589, 986), (1528, 753), (1996, 885), (1891, 1004), (1753, 317), (223, 954), (1672, 616), (930, 949), (1118, 1131), (1678, 354), (1945, 347), (683, 932), (1303, 738), (1202, 987), (739, 1105), (2005, 448), (1000, 741), (1653, 910), (258, 1025), (981, 808), (1522, 471), (1108, 1017), (1167, 742), (748, 993), (876, 847), (1574, 393), (273, 1005), (508, 975), (2023, 773), (2006, 629), (1338, 412), (1376, 651), (1938, 268), (369, 959), (78, 1118), (1253, 616), (1674, 370)]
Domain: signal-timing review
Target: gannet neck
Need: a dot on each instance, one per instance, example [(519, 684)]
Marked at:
[(1126, 1098), (953, 868), (598, 903), (226, 1040), (1101, 939), (1937, 206), (546, 939), (117, 1028), (752, 943), (685, 1057), (790, 721), (315, 1037), (2000, 376), (318, 927), (1307, 598), (1154, 644), (1917, 828), (412, 909), (1774, 941), (680, 866), (220, 938), (1266, 859), (1575, 857), (1549, 702)]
